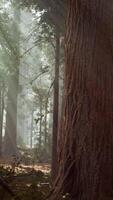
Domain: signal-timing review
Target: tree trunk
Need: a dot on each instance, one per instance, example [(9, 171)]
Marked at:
[(1, 116), (55, 107), (10, 147), (45, 124), (86, 148), (31, 136), (1, 113), (40, 127), (11, 117)]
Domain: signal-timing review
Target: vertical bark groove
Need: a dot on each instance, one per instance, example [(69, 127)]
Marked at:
[(56, 108), (86, 146)]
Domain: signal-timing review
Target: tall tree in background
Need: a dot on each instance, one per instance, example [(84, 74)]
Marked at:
[(5, 57), (11, 116), (54, 17), (0, 118), (86, 149), (1, 111)]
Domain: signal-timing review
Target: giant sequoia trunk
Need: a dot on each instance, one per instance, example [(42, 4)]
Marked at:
[(55, 107), (86, 149)]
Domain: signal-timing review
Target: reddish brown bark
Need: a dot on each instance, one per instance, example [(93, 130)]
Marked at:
[(86, 149), (56, 107)]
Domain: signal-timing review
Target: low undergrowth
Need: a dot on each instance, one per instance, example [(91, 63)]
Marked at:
[(26, 185)]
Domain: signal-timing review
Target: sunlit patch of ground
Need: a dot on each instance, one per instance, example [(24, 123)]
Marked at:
[(42, 167), (27, 182), (45, 168)]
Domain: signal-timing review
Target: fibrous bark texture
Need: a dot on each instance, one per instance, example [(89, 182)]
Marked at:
[(56, 108), (86, 148)]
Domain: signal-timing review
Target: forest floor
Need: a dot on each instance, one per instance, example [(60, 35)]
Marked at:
[(24, 182)]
